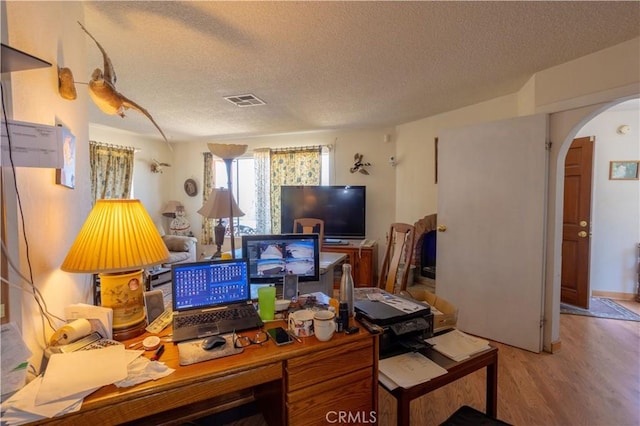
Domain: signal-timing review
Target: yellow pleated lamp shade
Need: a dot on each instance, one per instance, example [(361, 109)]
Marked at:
[(118, 236)]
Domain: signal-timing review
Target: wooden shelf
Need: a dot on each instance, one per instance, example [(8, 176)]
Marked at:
[(16, 60)]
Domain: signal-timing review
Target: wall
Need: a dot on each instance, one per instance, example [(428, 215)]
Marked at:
[(416, 190), (615, 204), (52, 214)]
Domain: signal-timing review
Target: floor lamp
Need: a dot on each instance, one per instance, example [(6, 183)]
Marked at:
[(217, 207), (228, 153)]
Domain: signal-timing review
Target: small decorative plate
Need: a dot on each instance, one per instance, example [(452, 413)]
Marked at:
[(190, 187)]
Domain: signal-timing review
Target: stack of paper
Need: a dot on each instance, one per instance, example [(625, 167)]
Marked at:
[(407, 370), (458, 345)]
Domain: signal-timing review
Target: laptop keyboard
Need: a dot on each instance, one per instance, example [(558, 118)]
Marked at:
[(212, 317)]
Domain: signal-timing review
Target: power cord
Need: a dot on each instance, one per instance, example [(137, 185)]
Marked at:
[(42, 306)]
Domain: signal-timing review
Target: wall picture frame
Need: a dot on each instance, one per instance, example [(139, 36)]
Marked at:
[(66, 176), (190, 187), (623, 170)]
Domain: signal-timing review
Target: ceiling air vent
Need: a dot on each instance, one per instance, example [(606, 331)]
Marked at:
[(245, 100)]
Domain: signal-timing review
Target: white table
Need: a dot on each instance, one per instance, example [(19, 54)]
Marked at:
[(328, 263)]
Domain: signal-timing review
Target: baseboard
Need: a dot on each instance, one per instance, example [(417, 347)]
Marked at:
[(555, 346), (614, 295)]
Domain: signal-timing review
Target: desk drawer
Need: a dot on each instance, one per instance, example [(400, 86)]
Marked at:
[(335, 362), (350, 395)]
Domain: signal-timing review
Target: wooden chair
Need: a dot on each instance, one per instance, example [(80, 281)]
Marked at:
[(307, 225), (399, 251)]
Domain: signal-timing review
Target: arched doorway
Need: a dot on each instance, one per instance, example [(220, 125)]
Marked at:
[(564, 127)]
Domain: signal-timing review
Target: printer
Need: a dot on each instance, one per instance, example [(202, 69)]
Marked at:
[(405, 323)]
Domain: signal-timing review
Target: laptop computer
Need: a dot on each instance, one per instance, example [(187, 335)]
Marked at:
[(210, 298)]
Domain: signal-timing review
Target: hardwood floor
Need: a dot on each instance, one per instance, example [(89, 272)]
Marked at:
[(594, 381)]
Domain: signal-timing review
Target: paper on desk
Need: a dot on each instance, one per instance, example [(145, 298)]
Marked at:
[(409, 369), (21, 407), (458, 345), (75, 372)]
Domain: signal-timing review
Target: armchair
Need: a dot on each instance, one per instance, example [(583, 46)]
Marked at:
[(182, 249)]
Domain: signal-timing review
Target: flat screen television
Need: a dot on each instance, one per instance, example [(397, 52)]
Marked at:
[(271, 257), (343, 209)]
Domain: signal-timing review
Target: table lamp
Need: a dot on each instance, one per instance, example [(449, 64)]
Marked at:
[(117, 240), (171, 208), (217, 207), (227, 153)]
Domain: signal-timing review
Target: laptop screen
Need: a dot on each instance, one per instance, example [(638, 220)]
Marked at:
[(210, 283)]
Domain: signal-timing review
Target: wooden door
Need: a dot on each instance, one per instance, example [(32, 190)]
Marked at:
[(576, 223), (492, 191)]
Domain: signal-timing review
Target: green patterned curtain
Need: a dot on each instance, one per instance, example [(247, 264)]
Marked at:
[(207, 236), (111, 171), (294, 166)]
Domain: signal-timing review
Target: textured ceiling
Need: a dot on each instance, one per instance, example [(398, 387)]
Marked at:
[(331, 65)]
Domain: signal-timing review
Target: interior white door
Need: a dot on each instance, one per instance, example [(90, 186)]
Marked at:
[(492, 199)]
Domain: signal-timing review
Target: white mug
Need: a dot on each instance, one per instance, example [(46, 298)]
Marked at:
[(324, 325), (301, 323)]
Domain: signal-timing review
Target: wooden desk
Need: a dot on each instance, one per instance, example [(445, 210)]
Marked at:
[(455, 371), (293, 384)]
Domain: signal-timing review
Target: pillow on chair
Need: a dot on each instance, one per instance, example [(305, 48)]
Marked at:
[(176, 243)]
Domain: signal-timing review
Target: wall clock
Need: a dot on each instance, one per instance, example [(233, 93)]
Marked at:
[(190, 187)]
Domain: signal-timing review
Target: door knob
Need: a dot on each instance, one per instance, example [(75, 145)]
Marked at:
[(582, 234), (583, 223), (441, 228)]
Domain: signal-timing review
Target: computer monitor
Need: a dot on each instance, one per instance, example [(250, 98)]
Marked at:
[(271, 257)]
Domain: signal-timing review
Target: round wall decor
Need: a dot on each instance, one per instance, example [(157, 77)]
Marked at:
[(190, 187)]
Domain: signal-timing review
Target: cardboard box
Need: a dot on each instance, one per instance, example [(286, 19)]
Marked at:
[(445, 314)]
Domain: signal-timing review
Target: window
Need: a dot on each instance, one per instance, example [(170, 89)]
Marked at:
[(243, 181)]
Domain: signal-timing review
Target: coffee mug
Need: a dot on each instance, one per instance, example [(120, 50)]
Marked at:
[(324, 325), (301, 323)]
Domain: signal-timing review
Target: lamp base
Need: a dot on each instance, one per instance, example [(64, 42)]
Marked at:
[(218, 232), (123, 292), (129, 333)]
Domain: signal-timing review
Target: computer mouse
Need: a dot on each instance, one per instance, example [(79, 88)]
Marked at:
[(213, 342)]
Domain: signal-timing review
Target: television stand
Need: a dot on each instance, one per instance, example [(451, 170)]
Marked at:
[(363, 260)]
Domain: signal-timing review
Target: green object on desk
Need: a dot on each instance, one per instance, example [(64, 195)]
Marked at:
[(267, 302)]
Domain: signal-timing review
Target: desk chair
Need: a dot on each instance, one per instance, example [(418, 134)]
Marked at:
[(308, 225), (468, 416), (399, 251)]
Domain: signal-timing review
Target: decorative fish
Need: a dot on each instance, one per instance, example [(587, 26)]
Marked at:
[(102, 89), (358, 165)]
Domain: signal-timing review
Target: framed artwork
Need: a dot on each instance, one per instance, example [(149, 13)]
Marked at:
[(66, 176), (623, 170), (190, 187)]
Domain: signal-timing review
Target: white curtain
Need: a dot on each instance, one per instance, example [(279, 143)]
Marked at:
[(261, 161)]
